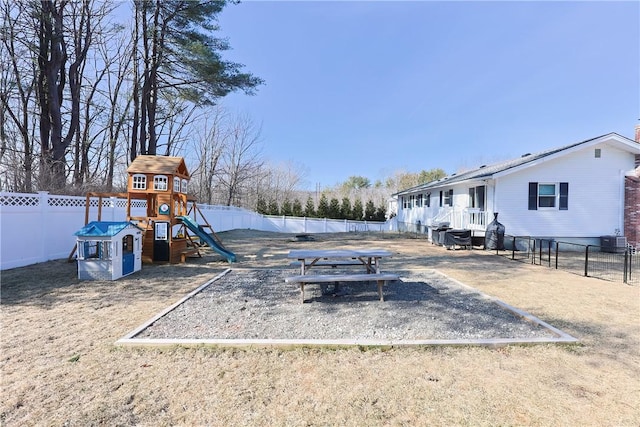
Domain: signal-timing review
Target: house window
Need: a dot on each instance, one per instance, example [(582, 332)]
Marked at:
[(548, 195), (419, 200), (139, 182), (405, 202), (476, 197), (446, 198), (427, 200), (598, 153), (412, 201), (160, 183), (176, 185), (184, 186)]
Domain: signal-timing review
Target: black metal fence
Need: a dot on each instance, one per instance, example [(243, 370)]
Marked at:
[(619, 264)]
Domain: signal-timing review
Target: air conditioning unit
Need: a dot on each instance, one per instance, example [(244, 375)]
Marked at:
[(613, 244)]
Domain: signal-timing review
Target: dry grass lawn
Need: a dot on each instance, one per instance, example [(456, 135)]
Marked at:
[(59, 364)]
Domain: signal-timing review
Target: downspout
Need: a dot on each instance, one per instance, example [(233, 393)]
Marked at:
[(622, 182)]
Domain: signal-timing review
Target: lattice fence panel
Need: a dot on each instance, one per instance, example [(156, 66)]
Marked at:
[(19, 200)]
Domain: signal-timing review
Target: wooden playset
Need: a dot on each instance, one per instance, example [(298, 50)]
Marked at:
[(162, 183)]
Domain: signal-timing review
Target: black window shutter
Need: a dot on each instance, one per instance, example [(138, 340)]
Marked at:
[(441, 195), (533, 196), (451, 197), (564, 196)]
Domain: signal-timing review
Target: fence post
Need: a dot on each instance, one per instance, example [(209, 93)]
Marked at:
[(513, 249), (540, 252), (586, 261), (557, 250), (43, 201), (626, 265), (533, 252), (549, 256)]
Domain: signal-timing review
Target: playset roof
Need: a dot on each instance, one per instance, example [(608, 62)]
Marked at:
[(165, 165)]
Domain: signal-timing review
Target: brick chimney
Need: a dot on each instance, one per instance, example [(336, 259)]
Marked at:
[(632, 202), (637, 138)]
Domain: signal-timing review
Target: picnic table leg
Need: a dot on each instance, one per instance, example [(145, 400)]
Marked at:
[(380, 283)]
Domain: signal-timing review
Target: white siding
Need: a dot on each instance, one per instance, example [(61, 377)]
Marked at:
[(595, 195)]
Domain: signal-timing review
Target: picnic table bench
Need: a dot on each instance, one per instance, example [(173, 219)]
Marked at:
[(380, 278)]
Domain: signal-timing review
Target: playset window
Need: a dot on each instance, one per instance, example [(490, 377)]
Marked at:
[(139, 182), (160, 183)]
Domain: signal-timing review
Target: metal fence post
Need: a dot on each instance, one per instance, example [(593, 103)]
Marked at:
[(533, 251), (626, 265), (586, 261), (549, 255), (557, 250)]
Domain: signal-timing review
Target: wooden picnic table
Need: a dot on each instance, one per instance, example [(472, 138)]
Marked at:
[(368, 258)]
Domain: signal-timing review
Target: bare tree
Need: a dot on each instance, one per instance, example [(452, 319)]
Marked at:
[(210, 144), (241, 160), (17, 97)]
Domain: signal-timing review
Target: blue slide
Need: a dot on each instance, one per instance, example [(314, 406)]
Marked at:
[(206, 237)]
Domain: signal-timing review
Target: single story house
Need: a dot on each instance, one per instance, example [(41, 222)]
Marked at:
[(574, 193)]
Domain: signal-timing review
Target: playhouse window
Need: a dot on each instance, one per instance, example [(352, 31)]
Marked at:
[(160, 183), (127, 244), (184, 186), (139, 182), (176, 185), (94, 249)]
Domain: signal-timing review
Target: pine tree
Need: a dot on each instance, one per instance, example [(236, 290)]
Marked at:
[(286, 208), (370, 211), (345, 209), (261, 206), (357, 213), (273, 207), (310, 209), (334, 208), (296, 209), (323, 207)]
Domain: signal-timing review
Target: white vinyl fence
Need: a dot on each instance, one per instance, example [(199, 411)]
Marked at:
[(40, 227)]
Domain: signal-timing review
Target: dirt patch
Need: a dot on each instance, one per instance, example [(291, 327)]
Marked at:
[(59, 364)]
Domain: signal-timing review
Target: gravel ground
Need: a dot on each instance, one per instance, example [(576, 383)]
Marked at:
[(423, 305)]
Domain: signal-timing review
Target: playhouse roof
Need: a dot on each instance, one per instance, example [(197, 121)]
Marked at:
[(103, 228), (165, 165)]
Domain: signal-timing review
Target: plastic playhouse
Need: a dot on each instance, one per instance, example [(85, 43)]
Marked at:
[(108, 250)]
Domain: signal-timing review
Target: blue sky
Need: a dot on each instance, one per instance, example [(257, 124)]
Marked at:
[(369, 88)]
